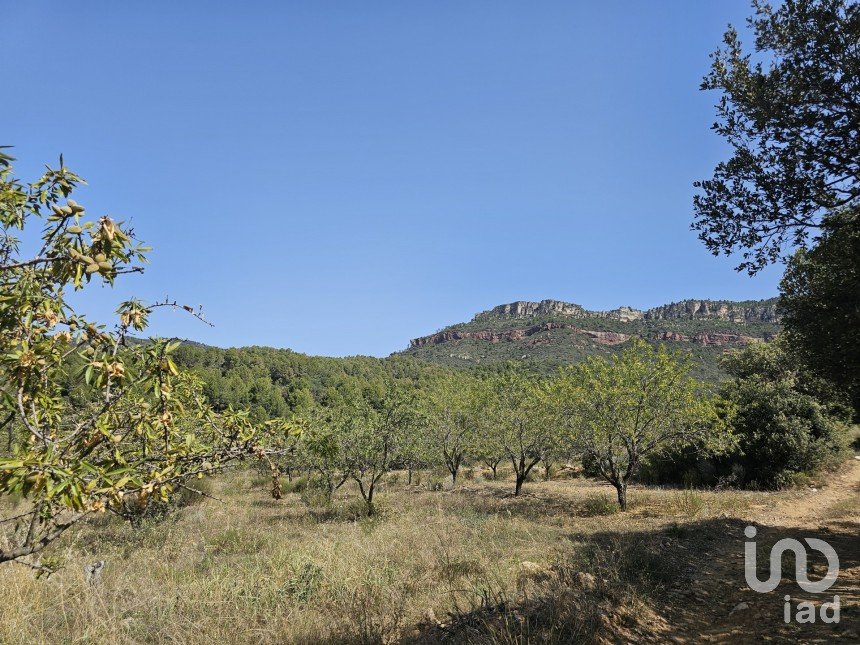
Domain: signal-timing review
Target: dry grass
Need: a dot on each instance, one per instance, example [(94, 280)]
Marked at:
[(257, 570)]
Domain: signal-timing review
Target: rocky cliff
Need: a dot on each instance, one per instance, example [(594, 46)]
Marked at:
[(601, 337), (755, 311), (759, 311)]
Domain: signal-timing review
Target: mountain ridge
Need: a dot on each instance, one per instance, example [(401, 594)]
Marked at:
[(553, 332)]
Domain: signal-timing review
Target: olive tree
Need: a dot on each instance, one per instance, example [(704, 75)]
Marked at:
[(138, 428), (637, 403)]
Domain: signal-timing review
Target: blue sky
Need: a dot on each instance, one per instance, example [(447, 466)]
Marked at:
[(339, 177)]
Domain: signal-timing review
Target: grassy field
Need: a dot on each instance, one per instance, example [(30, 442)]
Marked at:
[(473, 564)]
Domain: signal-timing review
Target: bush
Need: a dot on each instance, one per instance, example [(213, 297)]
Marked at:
[(304, 582), (787, 423), (687, 502), (599, 504), (783, 423), (783, 434)]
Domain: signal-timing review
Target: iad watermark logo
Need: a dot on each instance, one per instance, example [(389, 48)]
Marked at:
[(828, 611)]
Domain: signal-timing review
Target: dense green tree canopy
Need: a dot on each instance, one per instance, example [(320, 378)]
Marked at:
[(793, 121), (785, 420), (820, 302), (639, 403), (519, 419)]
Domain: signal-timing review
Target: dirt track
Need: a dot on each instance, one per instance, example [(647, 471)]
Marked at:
[(708, 607)]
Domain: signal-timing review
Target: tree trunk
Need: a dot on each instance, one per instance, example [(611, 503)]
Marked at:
[(519, 484), (494, 466), (409, 478), (622, 494), (369, 499), (547, 474), (366, 493)]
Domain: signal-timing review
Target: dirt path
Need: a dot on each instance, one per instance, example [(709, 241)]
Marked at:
[(716, 605), (806, 508)]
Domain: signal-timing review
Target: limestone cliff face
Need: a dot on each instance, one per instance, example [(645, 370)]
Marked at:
[(761, 311), (525, 309), (758, 311), (704, 338), (599, 337)]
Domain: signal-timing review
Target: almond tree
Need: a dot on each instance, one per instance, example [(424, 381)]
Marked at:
[(518, 419), (638, 403), (142, 429), (454, 415), (373, 433), (319, 448)]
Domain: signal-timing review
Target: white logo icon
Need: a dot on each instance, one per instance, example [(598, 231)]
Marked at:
[(789, 544)]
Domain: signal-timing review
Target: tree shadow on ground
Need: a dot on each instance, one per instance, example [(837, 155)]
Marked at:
[(684, 583)]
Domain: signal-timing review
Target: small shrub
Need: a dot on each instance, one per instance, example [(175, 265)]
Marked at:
[(797, 480), (687, 502), (304, 582), (599, 504)]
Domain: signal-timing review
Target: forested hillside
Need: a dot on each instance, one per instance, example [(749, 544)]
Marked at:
[(275, 382)]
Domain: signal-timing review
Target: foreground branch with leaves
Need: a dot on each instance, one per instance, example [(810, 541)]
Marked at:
[(138, 429)]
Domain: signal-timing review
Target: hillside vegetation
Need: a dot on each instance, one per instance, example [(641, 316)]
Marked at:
[(551, 333)]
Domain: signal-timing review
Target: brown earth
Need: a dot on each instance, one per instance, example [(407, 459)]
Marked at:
[(704, 613)]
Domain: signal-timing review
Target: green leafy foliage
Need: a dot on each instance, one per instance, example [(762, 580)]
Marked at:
[(786, 420), (454, 408), (639, 403), (820, 300), (519, 418), (791, 118), (136, 427)]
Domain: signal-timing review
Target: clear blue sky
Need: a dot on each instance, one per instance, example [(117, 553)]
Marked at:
[(338, 177)]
